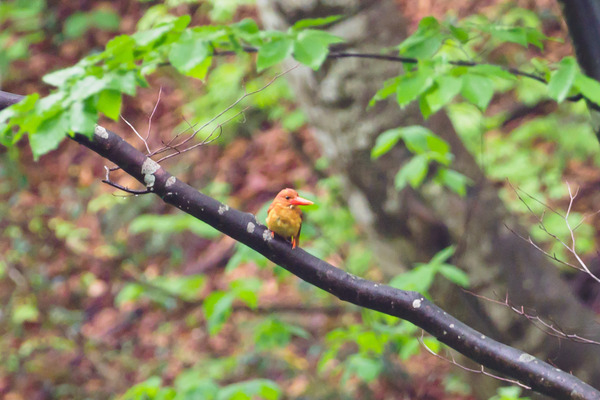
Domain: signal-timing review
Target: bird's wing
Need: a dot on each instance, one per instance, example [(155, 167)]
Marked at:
[(271, 207), (296, 238)]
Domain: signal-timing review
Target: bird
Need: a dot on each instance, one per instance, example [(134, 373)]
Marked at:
[(284, 216)]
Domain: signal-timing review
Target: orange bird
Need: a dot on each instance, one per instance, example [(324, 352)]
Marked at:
[(284, 217)]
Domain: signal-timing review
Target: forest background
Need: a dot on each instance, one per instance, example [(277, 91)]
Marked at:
[(109, 294)]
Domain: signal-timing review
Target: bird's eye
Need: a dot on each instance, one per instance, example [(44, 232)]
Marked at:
[(287, 197)]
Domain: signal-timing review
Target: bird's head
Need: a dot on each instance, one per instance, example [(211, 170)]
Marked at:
[(290, 197)]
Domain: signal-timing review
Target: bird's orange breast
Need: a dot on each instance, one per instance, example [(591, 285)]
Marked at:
[(284, 220)]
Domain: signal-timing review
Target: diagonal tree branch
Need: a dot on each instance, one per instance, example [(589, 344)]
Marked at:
[(411, 306)]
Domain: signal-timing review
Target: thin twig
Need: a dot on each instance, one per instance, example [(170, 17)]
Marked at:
[(412, 60), (137, 133), (547, 328), (153, 111), (235, 103), (109, 182), (475, 371), (571, 248)]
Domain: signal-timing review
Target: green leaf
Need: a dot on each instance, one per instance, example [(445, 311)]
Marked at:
[(272, 333), (123, 81), (79, 23), (244, 254), (247, 25), (310, 53), (86, 87), (509, 34), (148, 389), (409, 348), (425, 42), (385, 141), (130, 292), (462, 35), (418, 279), (312, 22), (412, 84), (492, 71), (18, 115), (562, 80), (247, 290), (413, 172), (416, 138), (173, 223), (453, 180), (442, 255), (454, 275), (188, 53), (184, 287), (217, 308), (442, 93), (478, 90), (324, 37), (256, 388), (49, 134), (365, 368), (589, 87), (273, 52), (437, 145), (58, 78), (147, 37), (105, 19), (311, 47), (369, 341), (432, 344), (535, 37), (424, 107), (120, 51), (26, 312), (389, 87), (109, 103), (83, 117), (201, 70)]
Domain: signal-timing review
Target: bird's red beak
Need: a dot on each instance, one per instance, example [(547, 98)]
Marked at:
[(299, 201)]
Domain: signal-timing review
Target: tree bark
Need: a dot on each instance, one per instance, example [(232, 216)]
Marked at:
[(411, 226), (583, 19)]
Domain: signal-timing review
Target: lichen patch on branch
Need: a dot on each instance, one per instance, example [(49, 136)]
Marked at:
[(101, 132), (149, 167)]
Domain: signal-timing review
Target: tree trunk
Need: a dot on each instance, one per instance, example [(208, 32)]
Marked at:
[(583, 19), (411, 226)]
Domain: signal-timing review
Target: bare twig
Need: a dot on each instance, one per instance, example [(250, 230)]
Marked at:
[(571, 247), (207, 140), (537, 321), (137, 133), (153, 111), (481, 370), (235, 103), (109, 182)]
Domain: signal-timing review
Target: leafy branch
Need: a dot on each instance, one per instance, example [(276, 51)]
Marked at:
[(434, 75)]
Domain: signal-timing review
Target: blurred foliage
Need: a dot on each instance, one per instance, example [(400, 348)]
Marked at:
[(97, 83), (22, 22), (120, 295), (509, 393), (79, 23)]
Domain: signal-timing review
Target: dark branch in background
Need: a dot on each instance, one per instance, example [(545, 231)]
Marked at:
[(583, 20), (411, 306), (412, 60)]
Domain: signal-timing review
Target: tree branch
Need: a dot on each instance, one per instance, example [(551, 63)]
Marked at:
[(411, 306), (333, 54)]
